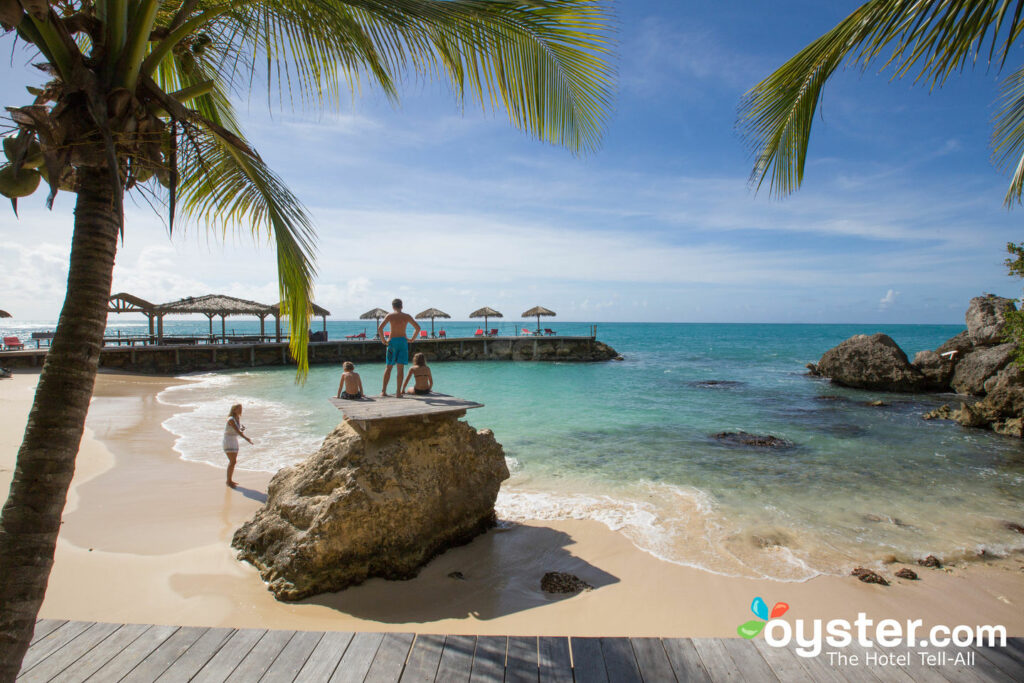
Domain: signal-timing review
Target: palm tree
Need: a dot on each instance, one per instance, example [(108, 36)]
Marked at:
[(140, 99), (931, 38)]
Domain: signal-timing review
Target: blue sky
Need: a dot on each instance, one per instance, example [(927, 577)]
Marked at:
[(900, 218)]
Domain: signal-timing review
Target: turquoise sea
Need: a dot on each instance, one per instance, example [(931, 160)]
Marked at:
[(630, 444)]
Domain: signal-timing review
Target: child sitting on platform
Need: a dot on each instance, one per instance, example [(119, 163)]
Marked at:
[(351, 385), (424, 378)]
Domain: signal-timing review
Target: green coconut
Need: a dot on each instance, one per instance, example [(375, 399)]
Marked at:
[(33, 155), (21, 185)]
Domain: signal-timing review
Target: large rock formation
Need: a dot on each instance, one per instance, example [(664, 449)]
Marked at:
[(975, 362), (874, 362), (374, 503), (986, 317), (977, 366)]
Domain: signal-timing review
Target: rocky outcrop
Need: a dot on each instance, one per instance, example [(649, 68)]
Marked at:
[(978, 366), (936, 370), (870, 362), (752, 440), (375, 503), (986, 318)]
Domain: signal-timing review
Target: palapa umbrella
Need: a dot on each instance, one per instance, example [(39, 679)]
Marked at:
[(375, 314), (4, 314), (485, 313), (431, 313), (538, 311)]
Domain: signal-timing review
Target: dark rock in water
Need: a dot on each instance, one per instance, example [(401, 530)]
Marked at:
[(874, 362), (374, 503), (986, 318), (930, 561), (456, 575), (936, 369), (908, 574), (943, 412), (973, 415), (1012, 427), (560, 582), (618, 358), (1013, 526), (830, 397), (752, 440), (978, 366), (812, 369), (868, 576), (716, 384), (877, 404), (1004, 393), (895, 521)]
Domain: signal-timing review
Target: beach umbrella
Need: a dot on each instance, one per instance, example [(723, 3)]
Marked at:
[(431, 313), (375, 314), (485, 313), (4, 314), (538, 311)]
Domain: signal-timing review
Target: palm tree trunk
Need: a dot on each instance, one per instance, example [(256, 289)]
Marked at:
[(31, 517)]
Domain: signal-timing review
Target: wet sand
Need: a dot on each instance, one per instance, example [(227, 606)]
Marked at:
[(146, 539)]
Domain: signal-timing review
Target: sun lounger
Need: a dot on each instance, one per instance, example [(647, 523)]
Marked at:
[(527, 333), (478, 333), (12, 343), (361, 335), (494, 332), (550, 332), (423, 334), (442, 334)]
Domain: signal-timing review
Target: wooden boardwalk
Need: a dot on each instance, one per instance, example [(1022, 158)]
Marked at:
[(78, 651)]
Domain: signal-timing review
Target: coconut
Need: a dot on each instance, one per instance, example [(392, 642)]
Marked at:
[(21, 185)]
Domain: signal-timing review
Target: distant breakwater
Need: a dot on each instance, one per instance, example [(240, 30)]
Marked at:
[(177, 359)]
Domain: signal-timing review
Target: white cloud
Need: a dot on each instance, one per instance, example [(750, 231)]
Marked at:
[(888, 300)]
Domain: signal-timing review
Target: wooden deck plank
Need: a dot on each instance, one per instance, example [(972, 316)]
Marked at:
[(293, 657), (102, 653), (390, 659), (370, 408), (52, 642), (133, 654), (554, 661), (158, 661), (357, 658), (748, 660), (1003, 658), (71, 652), (717, 661), (261, 657), (456, 659), (230, 654), (620, 660), (784, 662), (587, 660), (196, 656), (324, 658), (818, 668), (652, 660), (521, 660), (45, 627), (685, 660), (489, 659), (863, 672), (424, 659)]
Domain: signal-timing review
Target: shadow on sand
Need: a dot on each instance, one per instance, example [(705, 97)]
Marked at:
[(252, 494)]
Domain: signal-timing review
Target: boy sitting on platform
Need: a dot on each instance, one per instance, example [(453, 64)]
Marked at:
[(351, 385), (424, 378)]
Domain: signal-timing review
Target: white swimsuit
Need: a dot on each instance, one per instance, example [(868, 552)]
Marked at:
[(231, 436)]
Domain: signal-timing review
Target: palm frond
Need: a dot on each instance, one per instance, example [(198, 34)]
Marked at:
[(1008, 135), (934, 37)]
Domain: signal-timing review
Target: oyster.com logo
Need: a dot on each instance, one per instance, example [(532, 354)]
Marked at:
[(760, 609)]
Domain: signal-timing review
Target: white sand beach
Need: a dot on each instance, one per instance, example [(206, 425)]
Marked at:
[(146, 540)]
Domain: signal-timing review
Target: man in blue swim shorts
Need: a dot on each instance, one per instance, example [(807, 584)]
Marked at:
[(398, 345)]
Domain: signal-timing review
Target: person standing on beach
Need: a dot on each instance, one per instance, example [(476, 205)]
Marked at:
[(398, 346), (232, 430)]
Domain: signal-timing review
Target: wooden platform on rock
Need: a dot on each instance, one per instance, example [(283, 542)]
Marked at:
[(372, 408), (77, 650)]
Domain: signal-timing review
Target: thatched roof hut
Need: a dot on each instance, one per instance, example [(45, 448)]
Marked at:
[(431, 313), (213, 305), (374, 314), (5, 314), (318, 311), (538, 311)]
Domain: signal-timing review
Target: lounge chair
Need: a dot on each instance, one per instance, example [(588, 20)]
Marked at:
[(548, 331), (423, 334), (494, 332), (361, 335), (478, 333), (12, 343), (442, 334), (527, 333)]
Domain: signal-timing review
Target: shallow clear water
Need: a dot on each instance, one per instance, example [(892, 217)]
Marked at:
[(629, 444)]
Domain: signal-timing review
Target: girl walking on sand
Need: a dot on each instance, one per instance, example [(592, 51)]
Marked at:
[(232, 430)]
